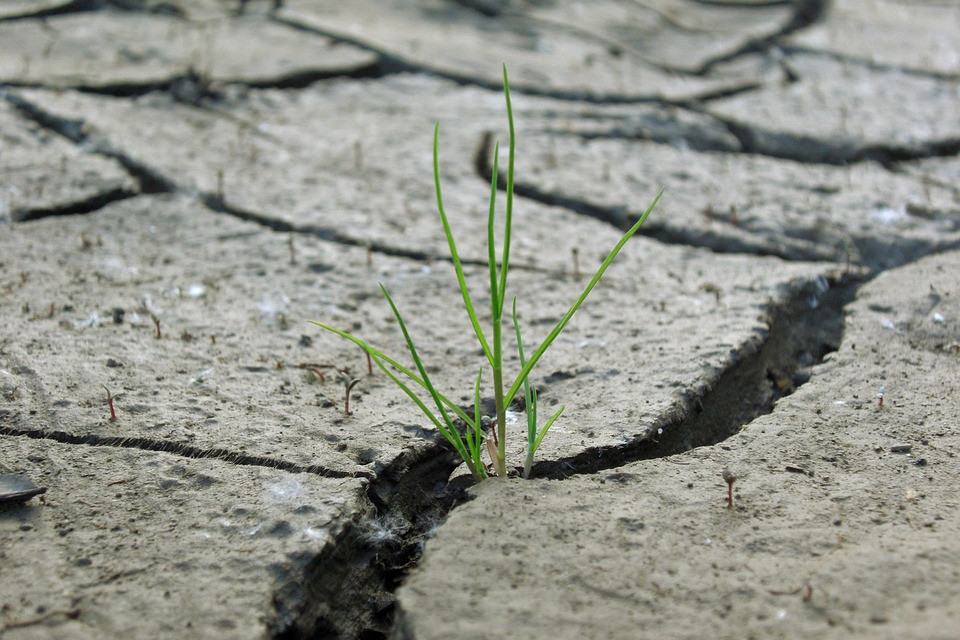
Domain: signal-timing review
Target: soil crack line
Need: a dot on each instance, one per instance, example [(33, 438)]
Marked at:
[(217, 203), (810, 150), (75, 6), (391, 64), (868, 63), (754, 140), (78, 207), (180, 449), (192, 88), (152, 181), (806, 13), (347, 591), (328, 234), (76, 131), (875, 252), (769, 367), (619, 218)]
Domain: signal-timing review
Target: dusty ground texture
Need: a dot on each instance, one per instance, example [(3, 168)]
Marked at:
[(184, 184)]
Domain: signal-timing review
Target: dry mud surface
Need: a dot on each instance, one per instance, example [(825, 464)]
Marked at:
[(184, 184)]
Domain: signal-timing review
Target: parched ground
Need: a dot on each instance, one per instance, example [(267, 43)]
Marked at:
[(184, 184)]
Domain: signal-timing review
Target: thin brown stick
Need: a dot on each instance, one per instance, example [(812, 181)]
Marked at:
[(70, 614), (113, 413)]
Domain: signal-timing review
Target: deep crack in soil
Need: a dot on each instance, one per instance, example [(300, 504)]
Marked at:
[(803, 328), (78, 207), (348, 590), (618, 218), (348, 593), (75, 131)]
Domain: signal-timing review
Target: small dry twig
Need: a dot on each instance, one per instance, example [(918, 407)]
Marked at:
[(113, 413), (70, 614), (729, 478)]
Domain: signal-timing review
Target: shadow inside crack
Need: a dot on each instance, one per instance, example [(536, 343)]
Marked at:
[(10, 425), (347, 591), (76, 207), (802, 331)]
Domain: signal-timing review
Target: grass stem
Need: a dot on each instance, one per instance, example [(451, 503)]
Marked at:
[(473, 440)]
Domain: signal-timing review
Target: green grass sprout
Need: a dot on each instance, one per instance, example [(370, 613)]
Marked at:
[(530, 395), (470, 440)]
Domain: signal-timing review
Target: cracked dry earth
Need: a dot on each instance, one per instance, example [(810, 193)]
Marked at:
[(184, 184)]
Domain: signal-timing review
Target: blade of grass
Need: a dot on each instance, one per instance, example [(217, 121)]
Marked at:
[(477, 448), (413, 352), (498, 291), (528, 465), (546, 427), (448, 430), (527, 368), (375, 353), (474, 461), (496, 362), (529, 393), (530, 396), (508, 222), (453, 247), (423, 371), (531, 399), (491, 244)]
